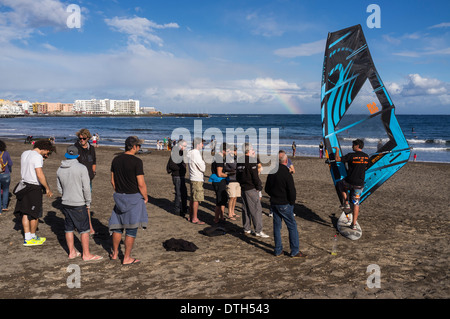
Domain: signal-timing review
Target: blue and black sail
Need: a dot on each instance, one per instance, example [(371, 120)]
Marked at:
[(350, 81)]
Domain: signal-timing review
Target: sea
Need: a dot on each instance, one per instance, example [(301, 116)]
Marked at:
[(427, 135)]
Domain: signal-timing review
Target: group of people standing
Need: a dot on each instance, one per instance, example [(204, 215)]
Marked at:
[(74, 183), (232, 177)]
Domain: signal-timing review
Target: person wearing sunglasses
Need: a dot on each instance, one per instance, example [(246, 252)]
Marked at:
[(87, 158)]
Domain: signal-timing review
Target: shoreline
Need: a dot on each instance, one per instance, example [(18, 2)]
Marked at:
[(153, 148), (406, 218), (108, 115)]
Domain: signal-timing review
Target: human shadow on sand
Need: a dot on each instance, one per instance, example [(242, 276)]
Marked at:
[(56, 221)]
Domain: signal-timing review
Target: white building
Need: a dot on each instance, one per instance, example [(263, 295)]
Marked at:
[(92, 106), (106, 106), (124, 106)]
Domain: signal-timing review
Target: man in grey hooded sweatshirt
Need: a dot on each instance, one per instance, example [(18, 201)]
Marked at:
[(74, 184)]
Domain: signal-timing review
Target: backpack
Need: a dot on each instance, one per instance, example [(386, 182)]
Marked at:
[(2, 165)]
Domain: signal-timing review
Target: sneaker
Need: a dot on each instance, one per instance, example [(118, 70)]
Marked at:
[(40, 239), (33, 242), (248, 232), (353, 227), (262, 235)]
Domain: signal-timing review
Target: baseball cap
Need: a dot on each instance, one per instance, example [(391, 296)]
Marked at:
[(133, 140), (72, 152)]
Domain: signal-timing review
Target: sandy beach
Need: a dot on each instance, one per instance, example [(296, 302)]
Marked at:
[(405, 233)]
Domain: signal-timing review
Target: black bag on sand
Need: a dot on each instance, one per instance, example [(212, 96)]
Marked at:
[(179, 245)]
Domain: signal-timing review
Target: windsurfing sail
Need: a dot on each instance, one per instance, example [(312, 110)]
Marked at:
[(355, 104)]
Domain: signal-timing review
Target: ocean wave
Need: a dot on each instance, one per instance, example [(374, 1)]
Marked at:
[(431, 149), (428, 141)]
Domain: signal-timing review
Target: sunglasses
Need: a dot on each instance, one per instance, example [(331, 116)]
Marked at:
[(83, 138)]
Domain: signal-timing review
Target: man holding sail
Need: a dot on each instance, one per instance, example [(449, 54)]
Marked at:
[(356, 173)]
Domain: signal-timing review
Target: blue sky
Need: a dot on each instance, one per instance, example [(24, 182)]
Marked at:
[(217, 56)]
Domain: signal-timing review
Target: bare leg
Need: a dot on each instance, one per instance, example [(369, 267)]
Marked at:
[(127, 259), (70, 245), (116, 238)]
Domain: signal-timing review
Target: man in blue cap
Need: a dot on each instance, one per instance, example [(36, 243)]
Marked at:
[(74, 184)]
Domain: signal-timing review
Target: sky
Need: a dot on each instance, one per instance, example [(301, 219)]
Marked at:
[(227, 56)]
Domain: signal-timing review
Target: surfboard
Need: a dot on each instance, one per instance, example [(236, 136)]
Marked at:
[(344, 229)]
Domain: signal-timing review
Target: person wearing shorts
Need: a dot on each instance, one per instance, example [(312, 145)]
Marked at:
[(197, 167), (130, 198), (354, 181), (73, 183), (233, 186), (30, 188)]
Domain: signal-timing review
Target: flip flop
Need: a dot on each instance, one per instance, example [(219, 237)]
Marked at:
[(134, 262), (231, 218), (77, 255), (95, 258), (198, 222)]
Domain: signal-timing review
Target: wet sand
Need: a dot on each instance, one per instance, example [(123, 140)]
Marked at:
[(405, 233)]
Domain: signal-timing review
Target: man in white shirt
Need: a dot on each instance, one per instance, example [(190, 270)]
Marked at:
[(29, 190), (197, 167)]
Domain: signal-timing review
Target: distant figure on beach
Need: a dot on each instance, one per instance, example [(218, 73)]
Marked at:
[(94, 140), (6, 164), (177, 168), (233, 187), (197, 167), (74, 185), (130, 197), (219, 182), (354, 182), (247, 176), (29, 190), (88, 158), (294, 148), (415, 157), (321, 150), (212, 146), (281, 189)]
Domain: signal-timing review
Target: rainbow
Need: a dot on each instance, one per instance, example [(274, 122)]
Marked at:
[(289, 103)]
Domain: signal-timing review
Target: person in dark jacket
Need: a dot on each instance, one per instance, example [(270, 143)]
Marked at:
[(177, 167), (87, 158), (247, 176), (281, 189)]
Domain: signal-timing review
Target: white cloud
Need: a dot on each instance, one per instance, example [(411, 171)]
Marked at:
[(138, 29), (25, 16), (305, 49), (440, 25), (31, 13), (421, 93), (264, 25)]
